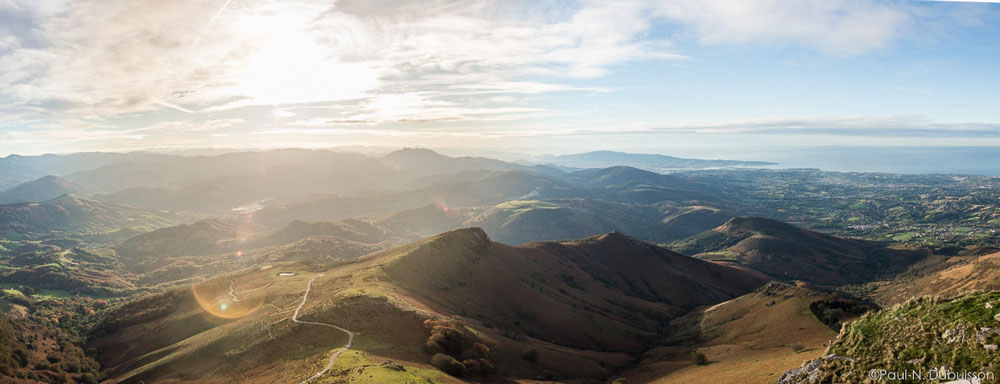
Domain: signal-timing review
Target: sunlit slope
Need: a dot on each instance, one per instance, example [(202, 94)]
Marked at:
[(69, 213), (944, 276), (750, 339), (583, 307), (786, 252)]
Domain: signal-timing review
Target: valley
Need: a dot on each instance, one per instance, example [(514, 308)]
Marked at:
[(429, 268)]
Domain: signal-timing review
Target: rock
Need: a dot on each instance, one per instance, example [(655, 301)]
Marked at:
[(996, 317), (989, 305), (990, 347), (916, 361), (985, 333), (388, 364), (809, 372), (954, 335)]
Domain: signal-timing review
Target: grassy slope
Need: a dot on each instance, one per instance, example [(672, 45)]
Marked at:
[(505, 295), (940, 275), (910, 336), (746, 340)]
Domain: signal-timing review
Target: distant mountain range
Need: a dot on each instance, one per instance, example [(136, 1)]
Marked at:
[(650, 162)]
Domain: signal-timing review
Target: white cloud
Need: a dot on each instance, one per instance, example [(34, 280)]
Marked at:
[(103, 58), (844, 27), (369, 62)]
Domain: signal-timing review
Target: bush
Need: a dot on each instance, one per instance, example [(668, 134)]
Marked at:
[(448, 365), (699, 358), (88, 378), (480, 367), (449, 338), (432, 348), (478, 350), (530, 355)]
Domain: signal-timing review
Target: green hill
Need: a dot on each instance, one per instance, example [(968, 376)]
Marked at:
[(69, 213), (927, 334)]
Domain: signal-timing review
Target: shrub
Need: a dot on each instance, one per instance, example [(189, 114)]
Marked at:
[(432, 348), (88, 378), (699, 358), (478, 350), (480, 367), (448, 365)]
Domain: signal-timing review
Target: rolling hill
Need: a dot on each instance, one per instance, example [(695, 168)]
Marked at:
[(522, 221), (751, 339), (419, 162), (75, 214), (786, 252), (204, 242), (941, 275), (617, 293), (46, 188)]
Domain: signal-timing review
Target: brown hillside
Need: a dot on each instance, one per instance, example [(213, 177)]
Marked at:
[(786, 252), (580, 307)]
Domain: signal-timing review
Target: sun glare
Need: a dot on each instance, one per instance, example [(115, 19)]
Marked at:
[(217, 299), (288, 66)]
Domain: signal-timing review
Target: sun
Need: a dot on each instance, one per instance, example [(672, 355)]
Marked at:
[(289, 65)]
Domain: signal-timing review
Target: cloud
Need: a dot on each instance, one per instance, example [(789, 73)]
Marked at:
[(849, 126), (105, 58), (843, 27), (88, 64)]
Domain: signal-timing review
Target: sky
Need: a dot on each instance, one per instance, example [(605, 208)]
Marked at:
[(515, 76)]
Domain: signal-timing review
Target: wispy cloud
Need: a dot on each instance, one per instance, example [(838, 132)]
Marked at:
[(314, 64)]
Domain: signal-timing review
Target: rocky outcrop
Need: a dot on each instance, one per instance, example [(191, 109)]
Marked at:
[(809, 372)]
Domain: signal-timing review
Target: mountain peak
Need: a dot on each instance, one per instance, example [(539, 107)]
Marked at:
[(413, 152), (474, 234), (43, 189)]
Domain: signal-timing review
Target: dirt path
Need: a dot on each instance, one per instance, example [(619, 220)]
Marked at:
[(350, 335)]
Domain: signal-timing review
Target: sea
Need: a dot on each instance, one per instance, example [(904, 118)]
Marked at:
[(911, 160)]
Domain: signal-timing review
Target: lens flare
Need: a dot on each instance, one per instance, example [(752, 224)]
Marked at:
[(216, 298)]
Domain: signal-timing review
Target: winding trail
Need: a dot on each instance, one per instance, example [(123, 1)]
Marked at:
[(232, 293), (295, 318)]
